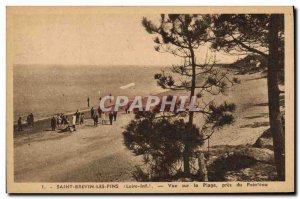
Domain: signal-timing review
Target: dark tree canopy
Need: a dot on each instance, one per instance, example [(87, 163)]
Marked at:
[(161, 139), (242, 34), (181, 30)]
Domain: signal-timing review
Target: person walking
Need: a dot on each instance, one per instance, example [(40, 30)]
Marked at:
[(82, 118), (63, 119), (31, 119), (59, 121), (20, 127), (74, 119), (96, 118), (115, 115), (67, 120), (110, 115), (103, 116), (77, 114), (28, 121), (92, 112), (127, 108), (88, 102), (53, 123), (99, 112)]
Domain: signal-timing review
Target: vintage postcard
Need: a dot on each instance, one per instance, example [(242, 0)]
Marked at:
[(150, 100)]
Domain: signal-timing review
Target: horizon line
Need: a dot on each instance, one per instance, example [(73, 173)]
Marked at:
[(123, 65)]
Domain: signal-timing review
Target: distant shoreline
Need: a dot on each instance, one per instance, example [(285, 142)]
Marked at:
[(87, 65), (105, 65)]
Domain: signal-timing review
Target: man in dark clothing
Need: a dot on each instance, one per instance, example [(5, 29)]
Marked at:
[(92, 112), (53, 123), (110, 115), (77, 114), (95, 117), (67, 119), (31, 119), (88, 101), (115, 115), (20, 128), (99, 112), (28, 120), (63, 119), (127, 109), (82, 118)]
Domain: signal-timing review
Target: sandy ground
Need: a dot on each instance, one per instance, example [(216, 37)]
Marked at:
[(251, 115), (96, 154), (89, 154)]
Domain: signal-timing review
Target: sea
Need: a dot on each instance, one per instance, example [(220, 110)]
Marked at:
[(46, 90)]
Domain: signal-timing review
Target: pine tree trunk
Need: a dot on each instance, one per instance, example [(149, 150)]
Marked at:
[(187, 150), (273, 95), (202, 168)]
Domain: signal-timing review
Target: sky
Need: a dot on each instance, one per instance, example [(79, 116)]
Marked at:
[(87, 39)]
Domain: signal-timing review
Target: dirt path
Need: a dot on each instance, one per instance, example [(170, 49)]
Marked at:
[(89, 154)]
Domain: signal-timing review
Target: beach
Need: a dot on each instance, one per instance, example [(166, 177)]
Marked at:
[(97, 154)]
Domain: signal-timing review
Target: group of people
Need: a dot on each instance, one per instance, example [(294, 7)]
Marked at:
[(30, 122), (99, 114), (61, 120)]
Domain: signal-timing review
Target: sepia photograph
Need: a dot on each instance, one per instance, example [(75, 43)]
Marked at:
[(150, 99)]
